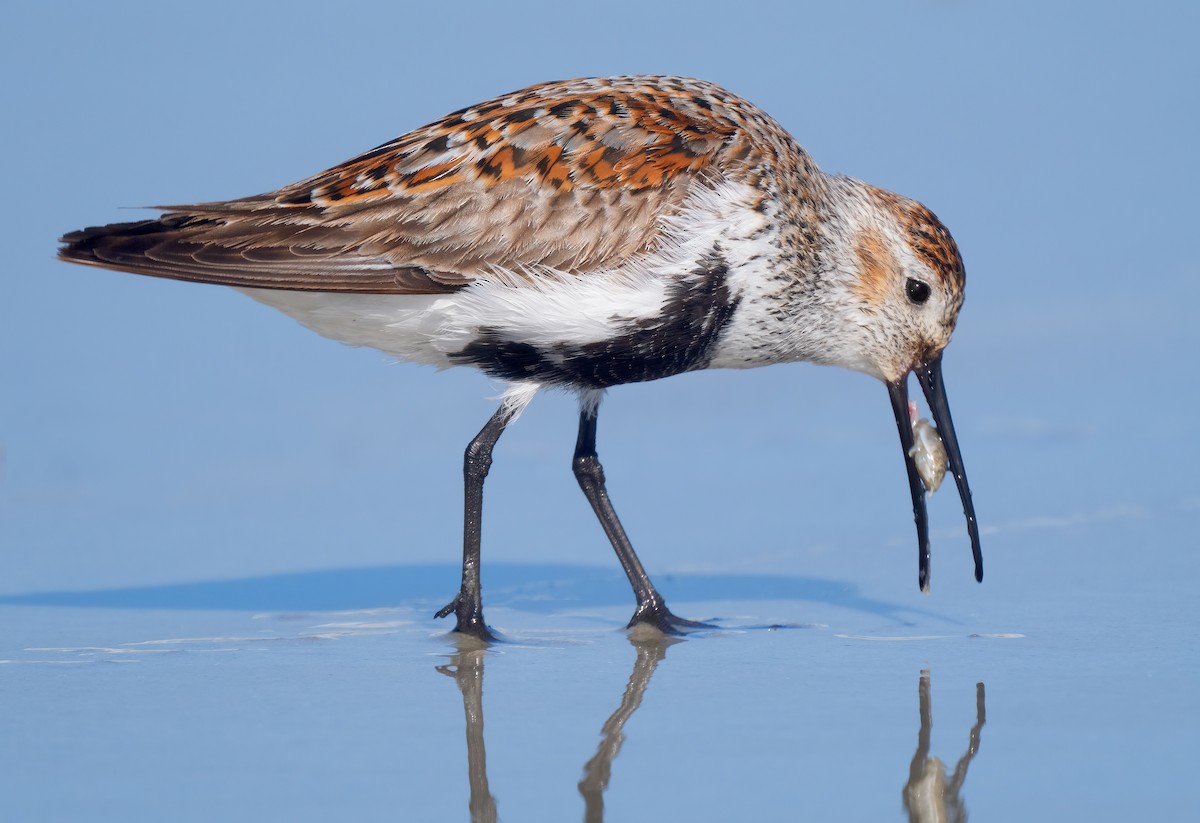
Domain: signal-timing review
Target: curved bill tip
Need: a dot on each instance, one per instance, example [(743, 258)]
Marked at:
[(934, 388)]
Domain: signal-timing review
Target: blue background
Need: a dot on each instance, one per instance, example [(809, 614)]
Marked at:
[(187, 469)]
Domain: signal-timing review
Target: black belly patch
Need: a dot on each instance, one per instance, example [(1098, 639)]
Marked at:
[(682, 338)]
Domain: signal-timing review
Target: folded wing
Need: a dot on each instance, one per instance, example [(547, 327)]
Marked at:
[(576, 176)]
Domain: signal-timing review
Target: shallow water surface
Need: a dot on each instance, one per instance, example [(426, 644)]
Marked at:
[(818, 698)]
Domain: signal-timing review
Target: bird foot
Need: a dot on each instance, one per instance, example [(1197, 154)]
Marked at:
[(655, 615), (468, 618)]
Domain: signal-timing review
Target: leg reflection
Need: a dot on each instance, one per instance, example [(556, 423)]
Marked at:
[(466, 668), (598, 770), (928, 795)]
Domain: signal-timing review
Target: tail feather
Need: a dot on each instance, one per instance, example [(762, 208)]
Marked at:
[(122, 246), (204, 248)]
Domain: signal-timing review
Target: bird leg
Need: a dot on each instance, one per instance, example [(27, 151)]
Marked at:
[(651, 608), (467, 605)]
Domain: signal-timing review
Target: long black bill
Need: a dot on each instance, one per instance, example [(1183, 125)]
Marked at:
[(930, 378)]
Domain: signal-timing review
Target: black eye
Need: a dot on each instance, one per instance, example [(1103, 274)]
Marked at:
[(917, 291)]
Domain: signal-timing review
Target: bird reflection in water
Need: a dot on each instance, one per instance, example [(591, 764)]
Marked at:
[(929, 795), (466, 667), (598, 770)]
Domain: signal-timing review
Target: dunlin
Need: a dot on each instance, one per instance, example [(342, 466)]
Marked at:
[(581, 235)]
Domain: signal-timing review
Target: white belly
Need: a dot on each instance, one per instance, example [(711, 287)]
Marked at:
[(557, 310), (404, 326)]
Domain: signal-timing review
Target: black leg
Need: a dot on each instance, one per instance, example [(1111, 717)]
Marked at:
[(467, 605), (651, 609)]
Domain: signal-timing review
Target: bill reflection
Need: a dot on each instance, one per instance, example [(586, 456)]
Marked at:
[(930, 795)]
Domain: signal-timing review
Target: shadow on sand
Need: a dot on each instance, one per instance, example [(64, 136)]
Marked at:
[(545, 589)]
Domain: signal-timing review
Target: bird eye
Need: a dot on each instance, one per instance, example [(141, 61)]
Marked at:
[(917, 291)]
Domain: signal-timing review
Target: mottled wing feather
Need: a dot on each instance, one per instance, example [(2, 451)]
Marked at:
[(574, 175)]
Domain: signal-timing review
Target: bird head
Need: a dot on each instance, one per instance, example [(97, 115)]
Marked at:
[(903, 281)]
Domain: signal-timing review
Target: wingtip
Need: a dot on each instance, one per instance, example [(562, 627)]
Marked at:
[(74, 246)]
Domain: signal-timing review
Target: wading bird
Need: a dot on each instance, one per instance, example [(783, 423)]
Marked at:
[(581, 235)]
